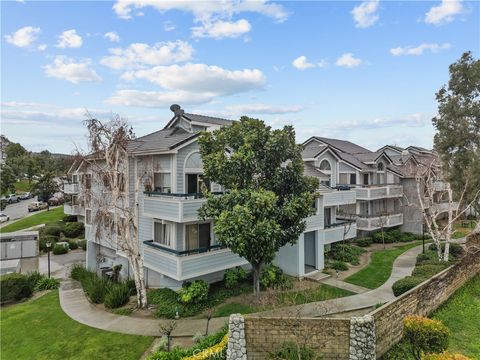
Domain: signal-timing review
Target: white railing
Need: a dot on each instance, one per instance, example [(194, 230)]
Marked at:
[(444, 206), (339, 197), (70, 209), (373, 192), (377, 222), (70, 188)]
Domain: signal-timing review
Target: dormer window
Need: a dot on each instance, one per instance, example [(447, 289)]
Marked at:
[(325, 166), (380, 167)]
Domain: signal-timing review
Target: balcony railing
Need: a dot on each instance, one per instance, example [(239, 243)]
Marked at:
[(444, 207), (377, 221), (70, 188), (339, 223), (72, 209), (335, 198), (183, 265), (339, 232), (177, 207), (375, 191)]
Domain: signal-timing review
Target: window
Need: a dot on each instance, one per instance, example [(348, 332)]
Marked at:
[(162, 182), (380, 167), (74, 199), (121, 182), (365, 179), (327, 216), (325, 166), (88, 216), (75, 179), (197, 236), (353, 179), (343, 178), (194, 183), (88, 181), (163, 233)]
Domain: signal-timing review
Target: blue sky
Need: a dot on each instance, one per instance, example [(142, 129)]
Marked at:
[(362, 71)]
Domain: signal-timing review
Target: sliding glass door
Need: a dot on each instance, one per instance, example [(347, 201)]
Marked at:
[(197, 236)]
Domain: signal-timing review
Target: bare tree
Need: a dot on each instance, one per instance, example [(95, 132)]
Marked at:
[(431, 187), (114, 209)]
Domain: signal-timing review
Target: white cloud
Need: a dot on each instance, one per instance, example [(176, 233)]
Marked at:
[(301, 63), (418, 50), (366, 14), (201, 78), (23, 37), (157, 99), (348, 60), (112, 36), (222, 29), (67, 69), (69, 39), (444, 13), (411, 120), (139, 54), (214, 17), (42, 47)]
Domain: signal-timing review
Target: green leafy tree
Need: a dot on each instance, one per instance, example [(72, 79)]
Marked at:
[(457, 139), (268, 196), (31, 169), (45, 187), (7, 180), (15, 150)]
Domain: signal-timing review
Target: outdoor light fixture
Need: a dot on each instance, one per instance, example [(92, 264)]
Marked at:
[(48, 245)]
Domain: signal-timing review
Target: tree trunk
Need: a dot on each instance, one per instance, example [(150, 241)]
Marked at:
[(138, 276), (257, 269)]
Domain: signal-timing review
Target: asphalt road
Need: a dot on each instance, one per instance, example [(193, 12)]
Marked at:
[(18, 210)]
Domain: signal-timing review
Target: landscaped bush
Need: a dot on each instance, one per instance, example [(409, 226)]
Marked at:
[(232, 277), (78, 271), (34, 277), (339, 265), (117, 295), (95, 287), (72, 244), (292, 351), (44, 239), (445, 356), (425, 335), (74, 229), (167, 301), (69, 218), (82, 244), (403, 285), (215, 343), (428, 270), (59, 249), (364, 242), (272, 276), (195, 292), (345, 253), (14, 287), (53, 228), (455, 251), (46, 283)]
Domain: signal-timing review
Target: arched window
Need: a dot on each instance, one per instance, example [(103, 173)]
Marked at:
[(380, 167), (325, 166), (194, 161)]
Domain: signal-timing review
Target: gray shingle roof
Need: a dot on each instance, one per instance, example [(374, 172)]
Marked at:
[(311, 170), (312, 151), (162, 140), (343, 145), (208, 119)]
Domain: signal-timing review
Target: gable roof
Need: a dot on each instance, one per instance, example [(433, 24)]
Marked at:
[(392, 147), (207, 120), (311, 170), (343, 145), (162, 140)]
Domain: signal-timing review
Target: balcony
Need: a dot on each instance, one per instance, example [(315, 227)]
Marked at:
[(183, 265), (72, 209), (336, 232), (375, 222), (341, 197), (380, 191), (173, 206), (444, 207), (70, 188)]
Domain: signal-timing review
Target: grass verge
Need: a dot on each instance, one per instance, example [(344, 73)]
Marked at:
[(380, 267), (39, 329), (33, 220)]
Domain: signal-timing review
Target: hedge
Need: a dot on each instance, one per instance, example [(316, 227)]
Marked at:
[(60, 249), (74, 229), (403, 285), (14, 287)]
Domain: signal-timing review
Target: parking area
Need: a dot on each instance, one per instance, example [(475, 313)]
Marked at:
[(18, 210)]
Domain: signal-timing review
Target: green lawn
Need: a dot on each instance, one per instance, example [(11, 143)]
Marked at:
[(40, 330), (22, 186), (380, 267), (37, 219), (461, 314)]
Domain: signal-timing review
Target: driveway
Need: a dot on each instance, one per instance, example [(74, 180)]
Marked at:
[(18, 210)]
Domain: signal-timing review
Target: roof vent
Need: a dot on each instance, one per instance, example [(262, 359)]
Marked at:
[(177, 110)]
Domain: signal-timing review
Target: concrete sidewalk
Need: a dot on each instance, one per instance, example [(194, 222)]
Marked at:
[(75, 304), (402, 267)]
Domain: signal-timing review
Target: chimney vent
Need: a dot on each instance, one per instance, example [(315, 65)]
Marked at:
[(177, 110)]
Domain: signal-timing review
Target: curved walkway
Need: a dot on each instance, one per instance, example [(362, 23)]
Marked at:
[(75, 304), (403, 266)]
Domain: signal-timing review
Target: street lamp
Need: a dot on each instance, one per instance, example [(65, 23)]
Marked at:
[(48, 245)]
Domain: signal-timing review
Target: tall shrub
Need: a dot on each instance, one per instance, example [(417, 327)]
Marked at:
[(425, 335)]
